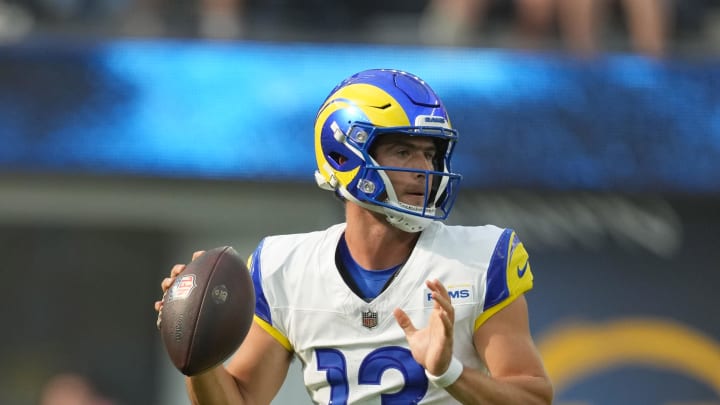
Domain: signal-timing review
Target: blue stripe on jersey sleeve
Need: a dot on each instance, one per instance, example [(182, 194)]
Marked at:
[(497, 286), (262, 308)]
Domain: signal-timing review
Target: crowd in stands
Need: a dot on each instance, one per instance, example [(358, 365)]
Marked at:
[(650, 27)]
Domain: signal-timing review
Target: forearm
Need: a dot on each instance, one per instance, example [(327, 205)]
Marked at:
[(214, 387), (476, 387)]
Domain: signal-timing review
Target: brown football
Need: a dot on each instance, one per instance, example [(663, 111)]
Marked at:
[(208, 310)]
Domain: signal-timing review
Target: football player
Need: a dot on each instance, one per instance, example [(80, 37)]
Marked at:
[(392, 306)]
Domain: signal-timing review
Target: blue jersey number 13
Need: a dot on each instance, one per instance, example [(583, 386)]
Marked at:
[(332, 361)]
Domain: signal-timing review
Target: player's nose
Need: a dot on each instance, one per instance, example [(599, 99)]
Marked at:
[(421, 162)]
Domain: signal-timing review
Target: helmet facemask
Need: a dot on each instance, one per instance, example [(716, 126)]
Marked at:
[(373, 189)]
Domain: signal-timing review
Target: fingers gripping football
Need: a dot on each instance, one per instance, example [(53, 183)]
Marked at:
[(167, 282)]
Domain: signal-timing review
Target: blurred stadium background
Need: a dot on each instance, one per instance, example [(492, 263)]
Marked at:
[(135, 132)]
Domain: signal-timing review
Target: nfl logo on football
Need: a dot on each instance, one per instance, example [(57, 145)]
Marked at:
[(369, 319)]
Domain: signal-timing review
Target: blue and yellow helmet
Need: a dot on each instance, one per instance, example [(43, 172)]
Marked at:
[(361, 108)]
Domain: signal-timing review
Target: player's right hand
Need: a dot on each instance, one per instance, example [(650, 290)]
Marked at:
[(167, 282)]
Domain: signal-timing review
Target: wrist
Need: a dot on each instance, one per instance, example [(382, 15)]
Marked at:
[(449, 376)]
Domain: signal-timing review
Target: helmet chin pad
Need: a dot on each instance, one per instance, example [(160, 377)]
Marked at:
[(406, 222), (403, 220)]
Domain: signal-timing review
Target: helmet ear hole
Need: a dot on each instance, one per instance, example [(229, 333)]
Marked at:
[(337, 158)]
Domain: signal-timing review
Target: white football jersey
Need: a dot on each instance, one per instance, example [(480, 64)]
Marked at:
[(353, 351)]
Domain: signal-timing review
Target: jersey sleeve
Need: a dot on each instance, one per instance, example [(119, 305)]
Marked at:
[(508, 275), (263, 313)]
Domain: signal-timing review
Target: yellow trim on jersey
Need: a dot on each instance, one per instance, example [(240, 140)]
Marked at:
[(268, 327), (519, 279), (492, 311), (273, 332)]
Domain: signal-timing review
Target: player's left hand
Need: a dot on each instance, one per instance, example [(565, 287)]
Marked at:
[(431, 346)]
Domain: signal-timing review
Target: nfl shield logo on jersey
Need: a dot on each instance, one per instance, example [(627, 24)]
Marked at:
[(369, 319)]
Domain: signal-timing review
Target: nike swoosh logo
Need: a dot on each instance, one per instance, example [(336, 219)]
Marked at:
[(521, 271)]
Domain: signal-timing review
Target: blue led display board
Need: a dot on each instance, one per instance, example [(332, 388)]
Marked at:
[(244, 111)]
